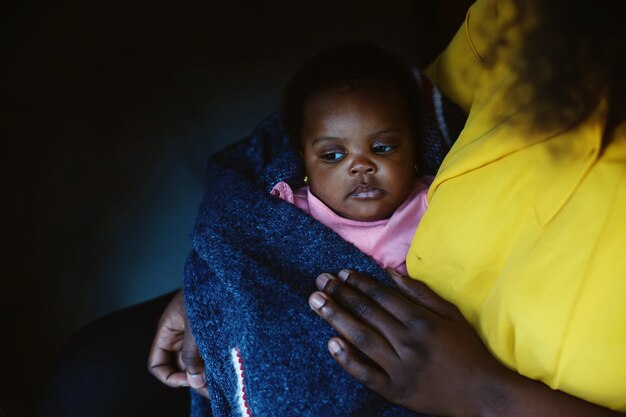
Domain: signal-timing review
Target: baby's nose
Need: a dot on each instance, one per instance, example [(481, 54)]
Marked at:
[(362, 166)]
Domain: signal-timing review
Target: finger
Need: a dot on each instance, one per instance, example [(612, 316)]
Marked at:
[(366, 373), (160, 364), (420, 293), (366, 339), (162, 356), (190, 356), (167, 343), (368, 305), (203, 391), (402, 309)]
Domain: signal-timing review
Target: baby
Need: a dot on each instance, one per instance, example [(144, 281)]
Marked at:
[(352, 113)]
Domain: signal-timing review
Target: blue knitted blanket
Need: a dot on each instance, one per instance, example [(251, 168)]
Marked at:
[(247, 282)]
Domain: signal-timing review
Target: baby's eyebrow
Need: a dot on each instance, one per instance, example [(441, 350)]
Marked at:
[(341, 139), (327, 138), (391, 130)]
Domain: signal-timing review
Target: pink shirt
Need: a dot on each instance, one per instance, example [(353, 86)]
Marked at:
[(387, 240)]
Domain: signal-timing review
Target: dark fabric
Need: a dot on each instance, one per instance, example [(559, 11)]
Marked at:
[(102, 371), (248, 280)]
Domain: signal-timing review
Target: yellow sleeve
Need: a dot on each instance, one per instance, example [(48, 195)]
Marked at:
[(457, 69)]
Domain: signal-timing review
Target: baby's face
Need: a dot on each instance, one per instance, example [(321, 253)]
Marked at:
[(358, 150)]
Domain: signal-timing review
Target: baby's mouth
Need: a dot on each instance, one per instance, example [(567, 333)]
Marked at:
[(366, 192)]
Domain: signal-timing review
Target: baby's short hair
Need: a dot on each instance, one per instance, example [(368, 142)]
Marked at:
[(345, 64)]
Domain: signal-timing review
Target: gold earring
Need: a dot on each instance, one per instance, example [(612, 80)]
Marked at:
[(306, 179)]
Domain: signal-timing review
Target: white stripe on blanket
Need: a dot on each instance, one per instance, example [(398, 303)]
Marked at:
[(241, 388)]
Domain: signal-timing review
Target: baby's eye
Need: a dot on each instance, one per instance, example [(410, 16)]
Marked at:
[(383, 148), (333, 156)]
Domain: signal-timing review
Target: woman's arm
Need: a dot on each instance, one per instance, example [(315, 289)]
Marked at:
[(416, 350)]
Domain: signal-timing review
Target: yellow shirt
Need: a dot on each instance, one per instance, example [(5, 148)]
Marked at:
[(526, 232)]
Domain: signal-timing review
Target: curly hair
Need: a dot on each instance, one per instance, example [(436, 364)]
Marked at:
[(572, 56), (345, 65)]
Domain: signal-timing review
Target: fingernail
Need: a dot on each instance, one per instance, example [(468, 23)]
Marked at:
[(344, 274), (316, 300), (334, 347), (322, 280), (196, 380)]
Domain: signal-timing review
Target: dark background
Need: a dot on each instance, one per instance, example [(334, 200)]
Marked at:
[(108, 112)]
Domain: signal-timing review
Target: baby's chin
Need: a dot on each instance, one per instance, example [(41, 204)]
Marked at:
[(366, 214)]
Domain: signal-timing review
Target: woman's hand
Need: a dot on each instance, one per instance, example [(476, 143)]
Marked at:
[(412, 347), (174, 359), (416, 350)]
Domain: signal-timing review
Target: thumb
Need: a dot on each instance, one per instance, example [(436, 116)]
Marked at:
[(190, 356), (421, 294)]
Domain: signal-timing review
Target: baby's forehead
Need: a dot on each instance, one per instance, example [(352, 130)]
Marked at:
[(368, 108), (370, 88)]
